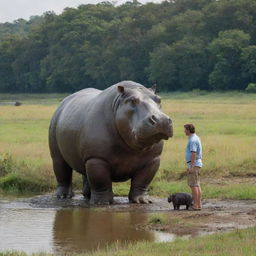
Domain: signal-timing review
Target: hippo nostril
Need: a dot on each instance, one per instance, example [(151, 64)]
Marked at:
[(169, 121), (153, 120)]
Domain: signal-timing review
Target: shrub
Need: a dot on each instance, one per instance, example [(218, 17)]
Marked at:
[(6, 164), (251, 88), (18, 177)]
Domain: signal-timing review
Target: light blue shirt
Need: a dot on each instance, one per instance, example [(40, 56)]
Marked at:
[(194, 145)]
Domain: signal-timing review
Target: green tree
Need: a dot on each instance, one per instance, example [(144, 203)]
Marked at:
[(227, 49), (180, 66), (248, 57)]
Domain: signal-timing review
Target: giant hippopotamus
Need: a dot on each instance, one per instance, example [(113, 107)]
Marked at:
[(110, 135)]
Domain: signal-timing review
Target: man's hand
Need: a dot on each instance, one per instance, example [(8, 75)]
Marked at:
[(190, 169), (192, 163)]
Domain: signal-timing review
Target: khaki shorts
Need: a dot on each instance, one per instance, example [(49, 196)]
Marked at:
[(194, 177)]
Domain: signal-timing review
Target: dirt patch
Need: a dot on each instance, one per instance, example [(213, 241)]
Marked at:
[(216, 216)]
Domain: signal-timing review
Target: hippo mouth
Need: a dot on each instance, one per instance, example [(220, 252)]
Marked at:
[(146, 138), (149, 141), (159, 136)]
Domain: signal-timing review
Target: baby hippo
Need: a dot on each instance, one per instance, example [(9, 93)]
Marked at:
[(180, 199)]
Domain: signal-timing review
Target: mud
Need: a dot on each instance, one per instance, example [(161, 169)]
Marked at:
[(215, 216), (60, 226)]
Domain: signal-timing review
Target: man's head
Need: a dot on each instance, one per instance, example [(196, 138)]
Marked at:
[(189, 129)]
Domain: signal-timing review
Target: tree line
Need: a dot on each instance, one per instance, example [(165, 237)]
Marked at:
[(177, 44)]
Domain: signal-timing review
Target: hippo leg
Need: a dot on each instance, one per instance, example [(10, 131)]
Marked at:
[(99, 178), (140, 182), (63, 173), (86, 188)]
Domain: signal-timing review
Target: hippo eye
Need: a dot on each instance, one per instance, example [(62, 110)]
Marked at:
[(132, 100), (157, 100)]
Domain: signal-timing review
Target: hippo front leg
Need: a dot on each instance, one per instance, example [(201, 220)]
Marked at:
[(99, 179), (141, 180)]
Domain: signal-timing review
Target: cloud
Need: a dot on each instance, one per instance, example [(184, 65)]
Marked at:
[(11, 10), (14, 9)]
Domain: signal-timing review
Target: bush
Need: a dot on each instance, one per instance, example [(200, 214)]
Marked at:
[(18, 177), (251, 88), (6, 164)]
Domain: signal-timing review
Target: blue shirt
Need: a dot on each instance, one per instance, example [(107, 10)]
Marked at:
[(194, 145)]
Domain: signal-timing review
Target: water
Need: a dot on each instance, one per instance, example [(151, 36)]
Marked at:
[(61, 231)]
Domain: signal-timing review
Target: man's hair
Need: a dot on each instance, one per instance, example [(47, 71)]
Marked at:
[(190, 127)]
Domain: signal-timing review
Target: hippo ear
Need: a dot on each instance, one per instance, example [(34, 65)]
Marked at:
[(120, 88), (153, 88)]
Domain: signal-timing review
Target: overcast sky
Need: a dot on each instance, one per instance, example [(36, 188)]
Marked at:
[(11, 10)]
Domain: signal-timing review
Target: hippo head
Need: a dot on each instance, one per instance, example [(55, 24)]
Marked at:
[(138, 117), (170, 198)]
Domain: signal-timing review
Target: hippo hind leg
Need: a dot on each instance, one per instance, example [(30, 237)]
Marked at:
[(86, 188), (100, 182), (63, 173)]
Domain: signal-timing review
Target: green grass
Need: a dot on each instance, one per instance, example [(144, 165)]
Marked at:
[(239, 242), (19, 177), (157, 218), (224, 121), (236, 243)]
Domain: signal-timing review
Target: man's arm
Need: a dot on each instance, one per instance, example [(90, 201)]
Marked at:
[(193, 160)]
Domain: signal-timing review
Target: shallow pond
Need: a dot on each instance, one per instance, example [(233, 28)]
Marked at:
[(45, 224), (30, 229)]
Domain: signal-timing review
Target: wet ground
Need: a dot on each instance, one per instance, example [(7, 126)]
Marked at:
[(44, 223)]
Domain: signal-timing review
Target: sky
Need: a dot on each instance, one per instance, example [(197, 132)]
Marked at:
[(11, 10)]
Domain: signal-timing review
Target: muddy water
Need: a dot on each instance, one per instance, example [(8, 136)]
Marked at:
[(45, 224), (61, 231)]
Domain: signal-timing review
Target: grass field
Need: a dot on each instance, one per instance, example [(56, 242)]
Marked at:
[(226, 123), (217, 244)]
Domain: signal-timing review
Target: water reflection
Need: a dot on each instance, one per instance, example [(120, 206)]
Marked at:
[(27, 229), (82, 229)]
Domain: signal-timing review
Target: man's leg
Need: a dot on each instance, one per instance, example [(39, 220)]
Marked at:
[(199, 197), (194, 183), (196, 195)]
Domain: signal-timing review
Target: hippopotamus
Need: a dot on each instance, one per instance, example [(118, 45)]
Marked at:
[(178, 199), (110, 135)]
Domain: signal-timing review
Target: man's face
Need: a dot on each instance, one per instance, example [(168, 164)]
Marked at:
[(187, 132)]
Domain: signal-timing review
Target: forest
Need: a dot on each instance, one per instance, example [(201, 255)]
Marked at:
[(180, 45)]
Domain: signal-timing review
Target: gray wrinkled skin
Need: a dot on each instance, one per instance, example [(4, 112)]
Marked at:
[(178, 199), (108, 136)]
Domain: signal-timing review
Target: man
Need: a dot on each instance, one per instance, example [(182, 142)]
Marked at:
[(194, 164)]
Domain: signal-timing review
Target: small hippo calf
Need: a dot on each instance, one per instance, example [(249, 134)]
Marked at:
[(180, 199)]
